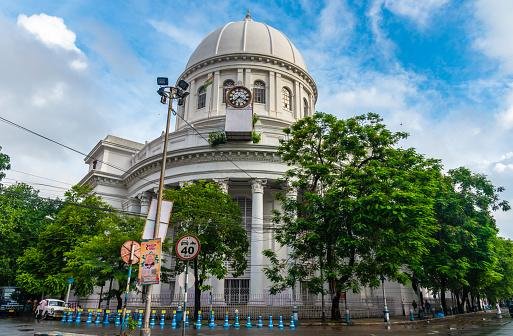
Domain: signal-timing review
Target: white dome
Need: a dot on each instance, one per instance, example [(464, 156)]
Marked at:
[(248, 37)]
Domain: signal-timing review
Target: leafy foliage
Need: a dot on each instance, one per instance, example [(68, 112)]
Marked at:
[(217, 138), (203, 209), (4, 164), (364, 207), (23, 217)]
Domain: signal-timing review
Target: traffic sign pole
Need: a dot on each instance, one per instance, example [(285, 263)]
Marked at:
[(130, 259), (185, 297)]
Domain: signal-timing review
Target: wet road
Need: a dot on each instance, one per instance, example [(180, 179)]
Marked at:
[(472, 326)]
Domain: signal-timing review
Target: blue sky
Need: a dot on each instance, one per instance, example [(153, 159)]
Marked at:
[(441, 70)]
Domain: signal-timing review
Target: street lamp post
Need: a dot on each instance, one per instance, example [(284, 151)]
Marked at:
[(167, 95), (386, 314)]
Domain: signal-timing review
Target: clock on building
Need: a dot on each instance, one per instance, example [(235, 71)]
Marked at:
[(238, 97)]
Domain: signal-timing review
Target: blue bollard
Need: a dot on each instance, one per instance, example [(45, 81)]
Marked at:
[(70, 316), (270, 322), (412, 316), (140, 319), (198, 321), (236, 324), (292, 323), (117, 321), (78, 317), (212, 323), (64, 314), (186, 319), (162, 318), (260, 323), (173, 321), (98, 317), (226, 324), (248, 322), (89, 317), (106, 317), (152, 318), (347, 317), (280, 323)]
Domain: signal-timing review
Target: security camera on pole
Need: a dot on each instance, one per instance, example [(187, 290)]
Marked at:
[(187, 248), (167, 95)]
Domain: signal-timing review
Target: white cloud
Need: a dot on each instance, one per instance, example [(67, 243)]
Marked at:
[(417, 11), (501, 167), (50, 30), (185, 37), (495, 31), (336, 23), (78, 64), (43, 96)]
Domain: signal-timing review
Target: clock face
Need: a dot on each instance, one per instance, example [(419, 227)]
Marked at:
[(238, 97)]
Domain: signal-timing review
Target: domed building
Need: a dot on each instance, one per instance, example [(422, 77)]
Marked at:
[(246, 54)]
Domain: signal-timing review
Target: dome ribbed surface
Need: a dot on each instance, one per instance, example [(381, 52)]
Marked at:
[(250, 37)]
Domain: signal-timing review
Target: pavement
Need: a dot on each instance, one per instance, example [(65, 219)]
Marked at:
[(467, 324)]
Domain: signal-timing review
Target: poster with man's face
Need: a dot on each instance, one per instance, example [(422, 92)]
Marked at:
[(149, 265)]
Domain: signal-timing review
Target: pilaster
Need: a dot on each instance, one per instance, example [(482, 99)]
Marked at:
[(257, 241)]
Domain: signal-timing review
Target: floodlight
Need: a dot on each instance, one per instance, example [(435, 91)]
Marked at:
[(180, 101), (163, 99), (182, 84), (162, 81), (162, 92)]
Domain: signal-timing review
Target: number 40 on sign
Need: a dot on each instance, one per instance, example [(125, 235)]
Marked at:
[(187, 247)]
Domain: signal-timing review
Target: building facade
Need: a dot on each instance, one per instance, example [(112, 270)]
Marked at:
[(244, 53)]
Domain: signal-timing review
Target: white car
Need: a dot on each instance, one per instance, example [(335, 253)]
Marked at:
[(54, 308)]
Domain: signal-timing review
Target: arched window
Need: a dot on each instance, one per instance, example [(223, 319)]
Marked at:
[(286, 98), (259, 92), (202, 97), (227, 84), (305, 107)]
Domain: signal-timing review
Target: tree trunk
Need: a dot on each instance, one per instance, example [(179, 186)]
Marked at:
[(442, 297), (335, 306), (100, 300), (197, 291), (119, 298), (444, 304)]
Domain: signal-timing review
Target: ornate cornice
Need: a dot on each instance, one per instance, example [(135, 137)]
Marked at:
[(256, 58), (200, 155)]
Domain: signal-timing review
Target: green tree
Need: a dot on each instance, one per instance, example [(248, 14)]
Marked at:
[(203, 209), (502, 287), (4, 164), (97, 260), (364, 207), (42, 267), (464, 258), (23, 217)]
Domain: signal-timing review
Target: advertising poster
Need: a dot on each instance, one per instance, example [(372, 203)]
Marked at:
[(149, 266)]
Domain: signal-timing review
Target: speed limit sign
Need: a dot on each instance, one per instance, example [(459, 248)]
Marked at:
[(187, 247)]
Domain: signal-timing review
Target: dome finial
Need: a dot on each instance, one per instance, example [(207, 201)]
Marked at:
[(248, 15)]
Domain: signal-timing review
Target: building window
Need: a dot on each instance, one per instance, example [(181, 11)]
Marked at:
[(236, 290), (305, 107), (202, 97), (286, 98), (306, 296), (227, 84), (259, 92), (245, 206)]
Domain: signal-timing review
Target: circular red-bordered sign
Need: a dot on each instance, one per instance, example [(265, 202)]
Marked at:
[(187, 247), (126, 250)]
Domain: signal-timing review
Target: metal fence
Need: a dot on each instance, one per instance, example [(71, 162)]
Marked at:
[(264, 305)]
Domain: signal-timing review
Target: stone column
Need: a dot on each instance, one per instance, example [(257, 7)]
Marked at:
[(257, 241), (134, 205), (248, 79), (223, 183), (215, 95), (278, 101), (271, 93), (144, 199)]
